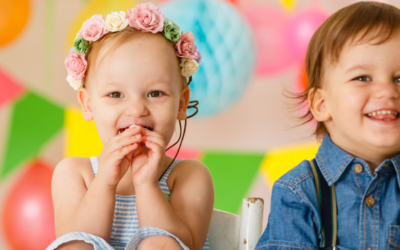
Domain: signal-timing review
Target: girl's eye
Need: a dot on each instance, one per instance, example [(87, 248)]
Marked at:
[(155, 94), (363, 78), (397, 79), (116, 95)]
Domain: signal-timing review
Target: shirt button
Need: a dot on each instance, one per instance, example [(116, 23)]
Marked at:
[(358, 168), (370, 201)]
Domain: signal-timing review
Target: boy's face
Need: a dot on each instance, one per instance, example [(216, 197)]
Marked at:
[(361, 103), (137, 84)]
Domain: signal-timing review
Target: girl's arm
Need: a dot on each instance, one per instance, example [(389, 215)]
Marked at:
[(78, 208), (188, 213), (89, 207)]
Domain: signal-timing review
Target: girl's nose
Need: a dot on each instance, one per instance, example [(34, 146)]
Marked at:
[(136, 109)]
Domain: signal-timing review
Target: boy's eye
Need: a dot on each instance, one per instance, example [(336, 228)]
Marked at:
[(155, 94), (397, 79), (116, 95), (363, 78)]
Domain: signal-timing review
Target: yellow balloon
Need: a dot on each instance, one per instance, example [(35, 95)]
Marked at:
[(288, 5), (100, 7), (14, 15)]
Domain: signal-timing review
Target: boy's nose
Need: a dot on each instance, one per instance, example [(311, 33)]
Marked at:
[(136, 109), (387, 89)]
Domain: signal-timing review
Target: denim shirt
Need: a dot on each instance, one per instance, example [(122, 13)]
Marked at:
[(368, 204)]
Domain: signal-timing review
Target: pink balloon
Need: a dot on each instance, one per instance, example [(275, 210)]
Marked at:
[(268, 26), (184, 153), (27, 216), (300, 30)]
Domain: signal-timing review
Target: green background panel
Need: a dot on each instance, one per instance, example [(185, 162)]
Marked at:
[(35, 120), (233, 174)]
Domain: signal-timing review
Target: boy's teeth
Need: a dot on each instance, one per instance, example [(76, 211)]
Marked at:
[(383, 112)]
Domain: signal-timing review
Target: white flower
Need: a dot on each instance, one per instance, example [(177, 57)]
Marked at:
[(75, 84), (116, 21), (189, 67)]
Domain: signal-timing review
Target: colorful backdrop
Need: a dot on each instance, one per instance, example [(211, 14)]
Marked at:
[(246, 133)]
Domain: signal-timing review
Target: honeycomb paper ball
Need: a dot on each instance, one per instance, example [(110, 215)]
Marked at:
[(225, 40)]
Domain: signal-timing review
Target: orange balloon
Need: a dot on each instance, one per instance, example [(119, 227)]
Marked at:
[(14, 15), (303, 79), (27, 216)]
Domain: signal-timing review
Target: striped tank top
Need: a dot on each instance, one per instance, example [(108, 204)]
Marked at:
[(125, 222)]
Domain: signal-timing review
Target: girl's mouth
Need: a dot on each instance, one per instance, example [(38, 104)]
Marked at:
[(123, 129), (384, 115)]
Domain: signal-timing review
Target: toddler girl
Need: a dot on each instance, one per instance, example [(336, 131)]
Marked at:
[(348, 197), (130, 72)]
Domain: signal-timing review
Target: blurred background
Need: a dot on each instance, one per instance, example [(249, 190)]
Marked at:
[(246, 131)]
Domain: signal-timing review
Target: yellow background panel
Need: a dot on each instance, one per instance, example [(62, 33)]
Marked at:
[(280, 160), (82, 138)]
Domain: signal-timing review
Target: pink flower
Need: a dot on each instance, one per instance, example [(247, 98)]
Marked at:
[(93, 28), (185, 46), (146, 17), (198, 60), (76, 65)]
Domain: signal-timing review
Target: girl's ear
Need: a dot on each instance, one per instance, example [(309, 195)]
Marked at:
[(318, 104), (183, 103), (84, 100)]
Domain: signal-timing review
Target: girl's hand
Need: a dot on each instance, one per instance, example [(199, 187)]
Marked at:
[(147, 168), (115, 157)]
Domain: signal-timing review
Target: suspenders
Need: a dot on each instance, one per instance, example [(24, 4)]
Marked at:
[(328, 207)]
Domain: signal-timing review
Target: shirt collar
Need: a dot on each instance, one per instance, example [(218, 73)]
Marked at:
[(333, 161)]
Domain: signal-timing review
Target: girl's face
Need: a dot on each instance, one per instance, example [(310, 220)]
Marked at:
[(138, 83), (359, 101)]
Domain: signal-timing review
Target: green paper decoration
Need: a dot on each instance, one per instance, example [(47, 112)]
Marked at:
[(35, 120), (233, 174)]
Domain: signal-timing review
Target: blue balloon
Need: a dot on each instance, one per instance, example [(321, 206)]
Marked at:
[(225, 40)]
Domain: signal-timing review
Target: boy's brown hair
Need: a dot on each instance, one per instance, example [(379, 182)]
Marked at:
[(361, 22)]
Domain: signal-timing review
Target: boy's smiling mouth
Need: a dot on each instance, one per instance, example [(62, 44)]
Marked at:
[(384, 115)]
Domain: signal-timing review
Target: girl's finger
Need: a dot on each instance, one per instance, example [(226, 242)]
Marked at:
[(157, 140), (124, 141)]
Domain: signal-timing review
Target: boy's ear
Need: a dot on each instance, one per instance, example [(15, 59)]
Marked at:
[(318, 105), (183, 103), (84, 100)]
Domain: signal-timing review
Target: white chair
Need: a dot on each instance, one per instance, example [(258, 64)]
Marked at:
[(232, 232)]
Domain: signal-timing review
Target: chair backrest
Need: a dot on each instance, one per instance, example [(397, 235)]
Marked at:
[(232, 232)]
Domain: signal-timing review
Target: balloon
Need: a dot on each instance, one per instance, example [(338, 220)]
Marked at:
[(288, 5), (226, 43), (300, 30), (302, 81), (14, 15), (28, 217), (184, 153), (268, 25)]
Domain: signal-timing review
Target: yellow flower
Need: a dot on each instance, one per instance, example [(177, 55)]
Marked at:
[(116, 21), (189, 67)]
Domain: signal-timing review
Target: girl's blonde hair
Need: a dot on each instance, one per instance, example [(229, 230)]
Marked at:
[(361, 22)]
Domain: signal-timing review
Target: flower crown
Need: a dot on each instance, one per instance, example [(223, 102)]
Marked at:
[(145, 17)]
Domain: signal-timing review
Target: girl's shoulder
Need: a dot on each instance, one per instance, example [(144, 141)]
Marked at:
[(75, 168), (189, 170)]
